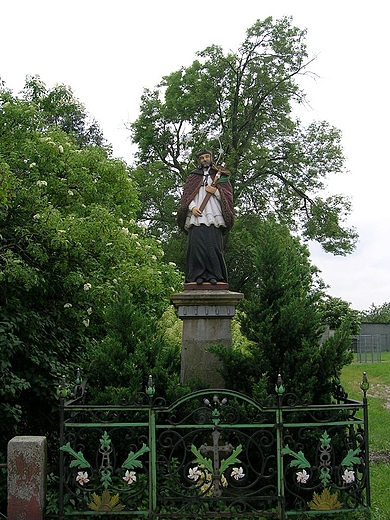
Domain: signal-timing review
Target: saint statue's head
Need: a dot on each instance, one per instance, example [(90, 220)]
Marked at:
[(205, 158)]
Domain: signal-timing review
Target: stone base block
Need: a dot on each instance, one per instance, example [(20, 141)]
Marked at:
[(26, 478), (206, 319)]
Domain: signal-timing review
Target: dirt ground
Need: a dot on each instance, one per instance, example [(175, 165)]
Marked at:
[(380, 456), (382, 392)]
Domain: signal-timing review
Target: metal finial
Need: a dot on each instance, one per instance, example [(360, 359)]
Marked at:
[(150, 388), (279, 387), (365, 385), (62, 391)]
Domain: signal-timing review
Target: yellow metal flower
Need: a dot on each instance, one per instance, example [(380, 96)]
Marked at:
[(106, 502), (325, 502)]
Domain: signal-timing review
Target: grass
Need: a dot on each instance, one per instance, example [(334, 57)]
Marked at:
[(378, 394)]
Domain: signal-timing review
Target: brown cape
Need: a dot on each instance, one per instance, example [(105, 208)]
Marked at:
[(191, 188)]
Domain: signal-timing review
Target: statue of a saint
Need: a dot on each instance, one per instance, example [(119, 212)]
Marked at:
[(206, 213)]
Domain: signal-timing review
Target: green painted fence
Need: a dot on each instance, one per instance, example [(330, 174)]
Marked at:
[(214, 454)]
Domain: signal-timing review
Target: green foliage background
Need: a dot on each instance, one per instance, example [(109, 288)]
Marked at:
[(282, 316), (85, 283), (240, 105), (71, 252)]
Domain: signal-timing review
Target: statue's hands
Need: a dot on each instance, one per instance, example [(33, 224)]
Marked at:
[(196, 212), (211, 189)]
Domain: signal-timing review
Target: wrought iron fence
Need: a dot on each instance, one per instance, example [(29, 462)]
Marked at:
[(214, 454)]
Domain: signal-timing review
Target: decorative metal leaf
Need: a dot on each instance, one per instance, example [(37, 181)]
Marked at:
[(351, 458), (105, 502), (105, 478), (105, 441), (325, 440), (325, 502), (80, 461), (202, 460), (232, 459), (325, 477), (131, 462), (301, 462)]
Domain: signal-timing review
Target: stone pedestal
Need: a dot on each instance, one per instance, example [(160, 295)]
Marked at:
[(26, 478), (206, 316)]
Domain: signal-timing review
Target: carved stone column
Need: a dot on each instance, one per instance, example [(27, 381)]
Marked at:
[(206, 316)]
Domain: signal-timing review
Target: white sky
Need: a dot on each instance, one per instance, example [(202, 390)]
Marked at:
[(109, 51)]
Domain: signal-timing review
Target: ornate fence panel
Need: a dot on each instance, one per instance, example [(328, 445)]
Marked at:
[(214, 454)]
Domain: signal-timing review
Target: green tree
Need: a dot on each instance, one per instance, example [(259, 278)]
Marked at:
[(282, 318), (69, 243), (133, 348), (243, 103), (335, 311), (376, 314), (60, 108)]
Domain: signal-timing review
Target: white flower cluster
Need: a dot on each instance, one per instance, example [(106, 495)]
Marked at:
[(302, 476), (130, 477), (194, 473), (237, 473), (82, 478), (348, 476)]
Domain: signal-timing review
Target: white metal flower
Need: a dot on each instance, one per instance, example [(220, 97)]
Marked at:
[(130, 477), (194, 473), (87, 286), (67, 305), (348, 476), (82, 478), (237, 473), (302, 476)]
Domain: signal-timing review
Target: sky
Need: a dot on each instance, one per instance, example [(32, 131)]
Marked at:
[(109, 51)]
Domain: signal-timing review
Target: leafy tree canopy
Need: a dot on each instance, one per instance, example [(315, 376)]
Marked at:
[(70, 243), (336, 310), (241, 104), (376, 314)]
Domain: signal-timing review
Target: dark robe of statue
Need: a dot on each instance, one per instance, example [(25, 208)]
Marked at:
[(205, 260)]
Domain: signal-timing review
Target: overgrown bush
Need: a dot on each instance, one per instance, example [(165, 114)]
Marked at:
[(281, 316)]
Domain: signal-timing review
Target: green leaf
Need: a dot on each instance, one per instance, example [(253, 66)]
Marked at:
[(351, 458), (131, 461), (232, 459), (325, 477), (325, 440), (105, 441), (79, 461), (301, 462), (106, 478), (202, 460)]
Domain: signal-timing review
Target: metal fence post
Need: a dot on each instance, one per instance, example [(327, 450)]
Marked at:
[(279, 439)]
